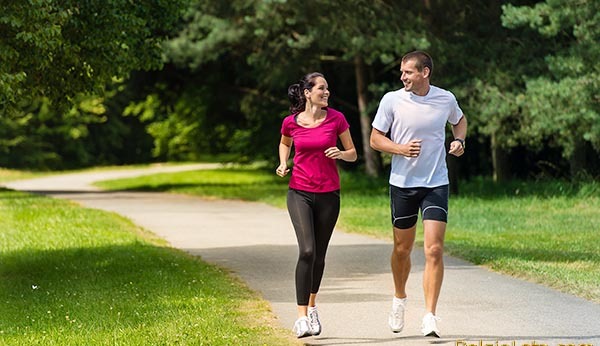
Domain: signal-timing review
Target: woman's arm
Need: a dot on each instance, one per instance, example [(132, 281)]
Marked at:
[(285, 147), (349, 152)]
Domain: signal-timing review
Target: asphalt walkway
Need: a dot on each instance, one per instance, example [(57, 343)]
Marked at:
[(257, 242)]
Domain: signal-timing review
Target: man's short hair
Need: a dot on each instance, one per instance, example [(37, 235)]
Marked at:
[(421, 59)]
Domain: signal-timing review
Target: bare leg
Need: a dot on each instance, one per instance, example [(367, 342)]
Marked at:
[(433, 274), (302, 311), (312, 300), (403, 244)]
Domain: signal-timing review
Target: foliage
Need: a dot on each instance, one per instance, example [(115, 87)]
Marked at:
[(57, 49), (563, 104), (186, 120), (270, 44), (525, 72), (38, 133), (53, 52)]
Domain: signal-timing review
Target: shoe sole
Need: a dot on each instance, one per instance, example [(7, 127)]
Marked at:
[(397, 330), (433, 334), (304, 335)]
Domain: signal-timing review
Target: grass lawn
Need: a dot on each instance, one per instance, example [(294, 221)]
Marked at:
[(12, 174), (547, 232), (76, 276)]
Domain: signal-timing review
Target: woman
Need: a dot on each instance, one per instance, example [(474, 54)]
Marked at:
[(313, 198)]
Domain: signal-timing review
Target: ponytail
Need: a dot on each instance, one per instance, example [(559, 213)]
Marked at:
[(296, 91)]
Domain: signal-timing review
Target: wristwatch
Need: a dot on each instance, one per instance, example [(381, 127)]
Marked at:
[(462, 141)]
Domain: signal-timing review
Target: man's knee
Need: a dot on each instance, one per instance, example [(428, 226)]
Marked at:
[(402, 250), (434, 252), (403, 241)]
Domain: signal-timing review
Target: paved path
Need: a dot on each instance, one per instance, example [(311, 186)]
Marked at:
[(257, 242)]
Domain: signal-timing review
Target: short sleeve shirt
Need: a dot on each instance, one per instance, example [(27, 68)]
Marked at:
[(313, 171), (407, 116)]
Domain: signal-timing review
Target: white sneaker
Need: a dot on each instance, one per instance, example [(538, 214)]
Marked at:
[(429, 326), (313, 321), (301, 327), (396, 318)]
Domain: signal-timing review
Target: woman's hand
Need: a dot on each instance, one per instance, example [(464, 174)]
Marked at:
[(334, 153), (282, 170)]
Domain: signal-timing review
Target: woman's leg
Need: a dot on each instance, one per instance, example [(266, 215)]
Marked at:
[(326, 212), (300, 208)]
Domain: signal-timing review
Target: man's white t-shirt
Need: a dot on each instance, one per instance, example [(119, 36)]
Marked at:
[(407, 116)]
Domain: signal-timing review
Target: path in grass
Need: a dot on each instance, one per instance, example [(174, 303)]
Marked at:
[(257, 243)]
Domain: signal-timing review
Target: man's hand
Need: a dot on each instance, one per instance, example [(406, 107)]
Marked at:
[(411, 149), (456, 148)]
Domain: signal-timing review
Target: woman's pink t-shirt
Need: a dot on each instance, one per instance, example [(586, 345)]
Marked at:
[(313, 171)]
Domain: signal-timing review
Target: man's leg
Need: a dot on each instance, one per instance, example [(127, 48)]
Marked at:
[(403, 244), (405, 212), (433, 274)]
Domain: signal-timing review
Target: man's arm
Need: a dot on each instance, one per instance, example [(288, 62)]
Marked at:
[(457, 148), (380, 142)]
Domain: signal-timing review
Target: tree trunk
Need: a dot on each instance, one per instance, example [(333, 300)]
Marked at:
[(372, 158), (500, 162), (577, 160)]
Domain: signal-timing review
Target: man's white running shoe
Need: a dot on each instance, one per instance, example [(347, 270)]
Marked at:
[(396, 318), (301, 327), (429, 326), (313, 321)]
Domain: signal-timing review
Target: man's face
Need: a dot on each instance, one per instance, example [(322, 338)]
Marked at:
[(414, 81)]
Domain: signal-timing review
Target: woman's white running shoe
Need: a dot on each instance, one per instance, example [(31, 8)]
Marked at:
[(301, 327), (313, 320)]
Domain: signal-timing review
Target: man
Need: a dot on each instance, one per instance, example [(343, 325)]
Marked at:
[(415, 118)]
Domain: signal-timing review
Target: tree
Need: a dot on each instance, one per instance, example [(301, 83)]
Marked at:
[(52, 51), (563, 105), (482, 63), (275, 42)]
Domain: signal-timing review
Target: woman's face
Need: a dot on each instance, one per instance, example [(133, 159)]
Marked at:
[(319, 94)]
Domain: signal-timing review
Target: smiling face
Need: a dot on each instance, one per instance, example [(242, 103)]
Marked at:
[(318, 95), (414, 80)]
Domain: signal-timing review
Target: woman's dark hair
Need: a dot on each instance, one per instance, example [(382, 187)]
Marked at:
[(296, 91)]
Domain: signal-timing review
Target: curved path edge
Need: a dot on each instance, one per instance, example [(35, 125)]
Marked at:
[(257, 242)]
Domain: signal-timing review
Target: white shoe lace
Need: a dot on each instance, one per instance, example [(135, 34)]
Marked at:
[(313, 318), (397, 315), (430, 324)]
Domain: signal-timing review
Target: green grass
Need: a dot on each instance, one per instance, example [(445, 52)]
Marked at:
[(13, 174), (7, 174), (76, 276), (240, 183), (546, 232)]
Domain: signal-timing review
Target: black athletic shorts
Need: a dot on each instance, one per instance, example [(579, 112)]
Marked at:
[(406, 202)]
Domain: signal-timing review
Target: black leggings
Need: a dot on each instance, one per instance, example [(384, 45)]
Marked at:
[(314, 216)]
